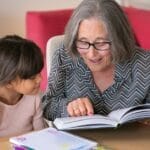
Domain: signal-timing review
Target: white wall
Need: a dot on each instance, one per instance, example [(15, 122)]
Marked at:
[(12, 12), (143, 4)]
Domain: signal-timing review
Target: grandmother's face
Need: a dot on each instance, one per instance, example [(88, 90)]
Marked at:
[(93, 45)]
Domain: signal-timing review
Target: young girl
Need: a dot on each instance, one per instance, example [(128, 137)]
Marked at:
[(21, 62)]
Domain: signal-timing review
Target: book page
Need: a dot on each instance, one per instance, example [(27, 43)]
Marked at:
[(92, 121), (131, 114), (117, 114)]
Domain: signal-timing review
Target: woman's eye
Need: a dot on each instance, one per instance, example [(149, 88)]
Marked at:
[(83, 42)]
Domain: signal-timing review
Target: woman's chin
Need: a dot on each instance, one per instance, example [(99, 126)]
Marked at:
[(96, 68)]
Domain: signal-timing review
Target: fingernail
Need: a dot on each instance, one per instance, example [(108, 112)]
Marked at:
[(90, 114)]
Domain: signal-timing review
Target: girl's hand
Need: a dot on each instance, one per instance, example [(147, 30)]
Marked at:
[(80, 107)]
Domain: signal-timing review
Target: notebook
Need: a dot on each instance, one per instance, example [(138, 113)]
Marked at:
[(51, 138)]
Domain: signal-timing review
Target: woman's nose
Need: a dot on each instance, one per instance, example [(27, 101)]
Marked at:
[(92, 52)]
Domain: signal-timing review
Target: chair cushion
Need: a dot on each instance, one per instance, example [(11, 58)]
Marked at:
[(140, 22)]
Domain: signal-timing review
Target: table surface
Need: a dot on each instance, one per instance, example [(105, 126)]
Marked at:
[(127, 137)]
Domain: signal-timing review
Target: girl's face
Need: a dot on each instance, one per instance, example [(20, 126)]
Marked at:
[(97, 54), (27, 86)]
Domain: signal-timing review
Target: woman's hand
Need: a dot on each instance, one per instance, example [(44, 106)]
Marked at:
[(80, 107)]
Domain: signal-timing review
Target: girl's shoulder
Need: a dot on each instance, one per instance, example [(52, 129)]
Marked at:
[(30, 100)]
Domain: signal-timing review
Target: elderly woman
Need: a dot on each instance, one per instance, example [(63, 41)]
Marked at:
[(100, 68)]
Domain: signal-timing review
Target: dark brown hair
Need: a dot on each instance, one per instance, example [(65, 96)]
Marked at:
[(19, 57)]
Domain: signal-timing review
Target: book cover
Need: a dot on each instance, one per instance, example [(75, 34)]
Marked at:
[(50, 138)]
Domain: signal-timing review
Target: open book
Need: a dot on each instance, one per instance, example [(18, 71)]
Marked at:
[(51, 139), (112, 120)]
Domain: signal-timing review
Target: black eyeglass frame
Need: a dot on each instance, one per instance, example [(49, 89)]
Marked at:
[(93, 44)]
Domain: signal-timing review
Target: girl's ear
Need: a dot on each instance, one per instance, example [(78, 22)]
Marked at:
[(10, 84)]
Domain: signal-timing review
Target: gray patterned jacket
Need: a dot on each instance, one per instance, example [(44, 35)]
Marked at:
[(70, 79)]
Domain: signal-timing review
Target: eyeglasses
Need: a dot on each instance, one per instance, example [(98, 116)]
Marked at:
[(100, 46)]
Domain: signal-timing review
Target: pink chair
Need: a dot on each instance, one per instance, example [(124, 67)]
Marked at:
[(140, 22), (42, 25)]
